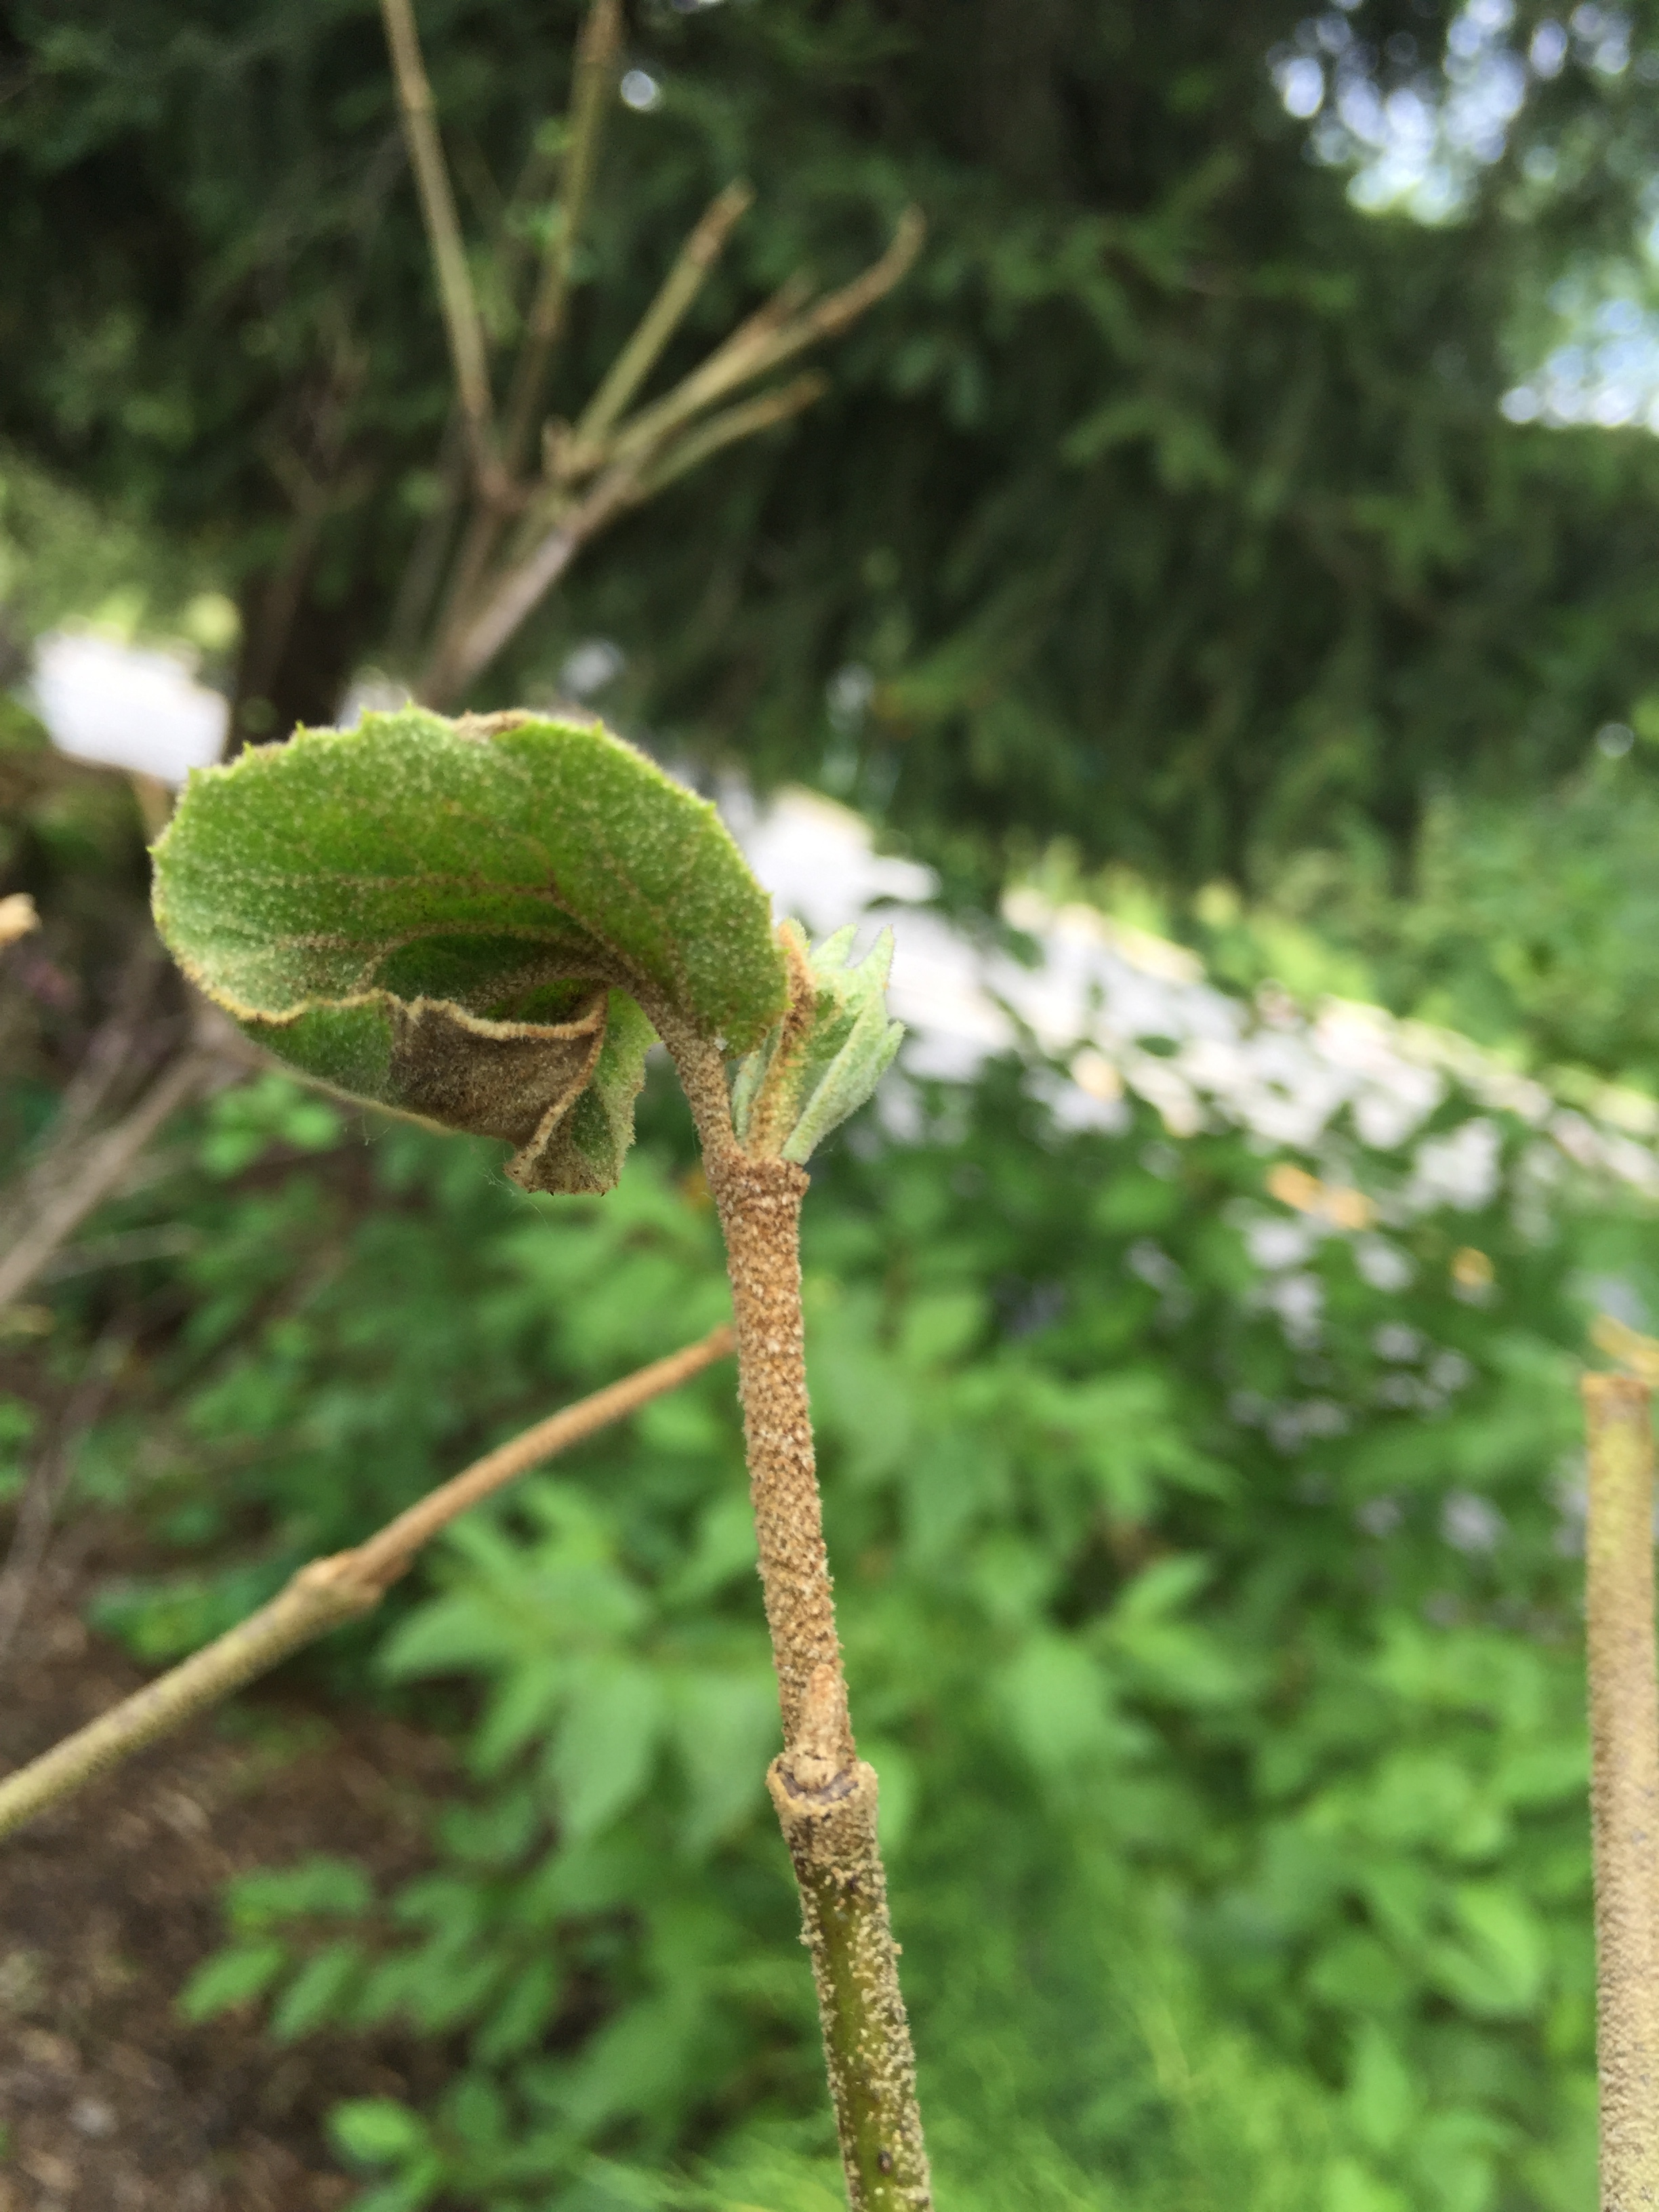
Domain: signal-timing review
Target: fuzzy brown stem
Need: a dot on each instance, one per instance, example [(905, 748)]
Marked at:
[(759, 1203), (825, 1794), (325, 1593), (1623, 1713), (319, 1597)]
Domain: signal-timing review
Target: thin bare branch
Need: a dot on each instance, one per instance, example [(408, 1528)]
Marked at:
[(387, 1554), (753, 350), (837, 309), (537, 181), (515, 595), (582, 458), (423, 570), (465, 585), (462, 322), (128, 1248), (745, 420), (590, 99), (112, 1054), (49, 1477), (100, 1169), (326, 1593), (471, 641), (702, 250)]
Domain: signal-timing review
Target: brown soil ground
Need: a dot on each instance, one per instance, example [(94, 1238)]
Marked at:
[(110, 2101)]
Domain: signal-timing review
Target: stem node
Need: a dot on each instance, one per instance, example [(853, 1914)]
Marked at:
[(829, 1826)]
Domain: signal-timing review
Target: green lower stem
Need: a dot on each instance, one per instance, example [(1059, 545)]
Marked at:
[(831, 1830)]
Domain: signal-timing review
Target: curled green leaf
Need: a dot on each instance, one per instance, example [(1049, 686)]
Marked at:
[(825, 1057), (477, 922)]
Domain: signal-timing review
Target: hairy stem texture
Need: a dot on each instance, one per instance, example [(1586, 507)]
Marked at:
[(1623, 1713), (759, 1203), (825, 1794)]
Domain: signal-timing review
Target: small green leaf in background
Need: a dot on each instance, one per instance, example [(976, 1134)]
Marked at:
[(377, 2130), (941, 1325), (521, 2012), (338, 1887), (601, 1758), (1351, 2187), (463, 920), (1381, 2097), (319, 1992), (1498, 1966), (246, 1121), (231, 1978), (725, 1730), (1056, 1699), (898, 1795), (17, 1426)]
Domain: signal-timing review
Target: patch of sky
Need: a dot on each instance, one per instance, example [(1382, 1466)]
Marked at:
[(1414, 133), (1604, 369)]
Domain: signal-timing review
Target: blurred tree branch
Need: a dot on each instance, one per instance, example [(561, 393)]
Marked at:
[(622, 460), (325, 1593), (516, 505)]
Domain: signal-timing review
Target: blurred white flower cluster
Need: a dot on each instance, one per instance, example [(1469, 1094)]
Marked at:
[(1114, 1012), (1107, 1013), (1105, 1010)]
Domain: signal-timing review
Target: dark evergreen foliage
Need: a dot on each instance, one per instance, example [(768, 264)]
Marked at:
[(1167, 504)]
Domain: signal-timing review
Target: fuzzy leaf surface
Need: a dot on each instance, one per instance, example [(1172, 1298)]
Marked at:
[(462, 921)]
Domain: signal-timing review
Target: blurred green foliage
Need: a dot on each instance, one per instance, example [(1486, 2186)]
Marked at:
[(1531, 925), (1167, 504), (63, 554), (71, 837), (1534, 927), (1224, 1677), (1224, 1681)]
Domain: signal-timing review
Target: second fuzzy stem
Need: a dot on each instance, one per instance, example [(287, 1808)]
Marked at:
[(1624, 1705), (825, 1794)]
